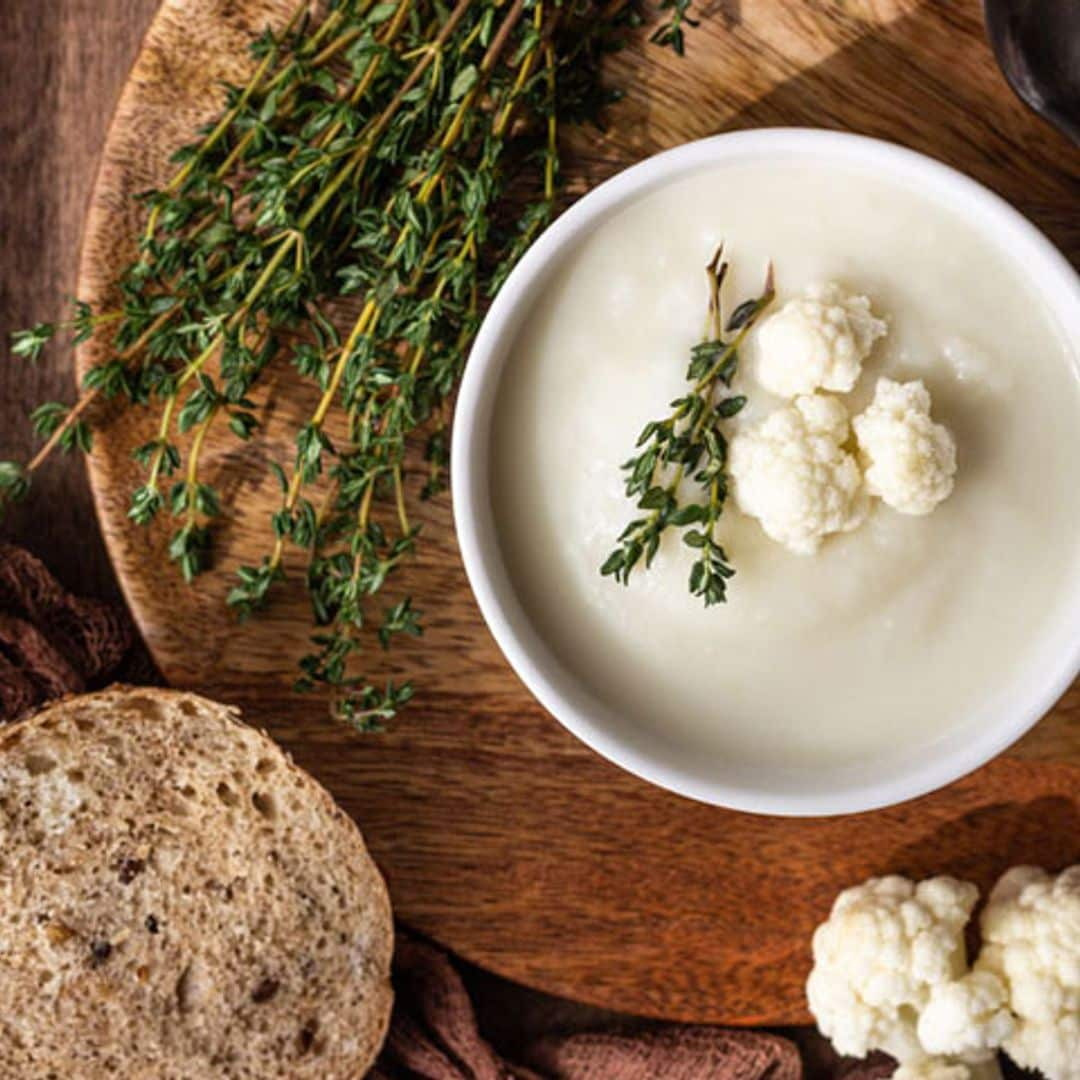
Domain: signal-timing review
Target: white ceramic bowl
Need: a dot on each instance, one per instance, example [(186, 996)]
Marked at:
[(561, 692)]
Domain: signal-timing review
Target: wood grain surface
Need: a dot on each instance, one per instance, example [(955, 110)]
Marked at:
[(63, 64), (501, 835)]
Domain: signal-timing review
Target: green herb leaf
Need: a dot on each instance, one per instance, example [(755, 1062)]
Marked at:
[(29, 343), (463, 82)]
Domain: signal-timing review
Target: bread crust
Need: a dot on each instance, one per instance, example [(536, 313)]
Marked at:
[(178, 899)]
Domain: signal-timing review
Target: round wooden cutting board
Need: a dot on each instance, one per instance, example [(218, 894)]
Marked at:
[(501, 836)]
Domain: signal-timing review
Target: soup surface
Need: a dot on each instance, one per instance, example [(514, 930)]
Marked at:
[(891, 635)]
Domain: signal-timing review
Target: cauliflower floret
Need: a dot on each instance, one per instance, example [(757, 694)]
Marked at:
[(1031, 940), (792, 473), (816, 342), (967, 1019), (910, 461), (877, 958)]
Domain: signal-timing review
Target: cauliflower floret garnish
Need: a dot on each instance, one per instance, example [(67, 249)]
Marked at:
[(791, 473), (1031, 941), (967, 1019), (909, 460), (817, 342), (878, 957)]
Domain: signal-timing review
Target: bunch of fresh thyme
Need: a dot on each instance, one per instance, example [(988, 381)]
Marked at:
[(690, 443), (370, 154)]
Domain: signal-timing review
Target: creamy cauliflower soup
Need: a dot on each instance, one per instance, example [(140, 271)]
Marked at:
[(883, 629), (866, 640)]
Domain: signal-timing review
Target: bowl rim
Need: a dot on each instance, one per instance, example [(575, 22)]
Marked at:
[(469, 467)]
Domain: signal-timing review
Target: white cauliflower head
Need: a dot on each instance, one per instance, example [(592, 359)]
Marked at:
[(910, 461), (816, 342), (967, 1019), (878, 957), (792, 473), (1031, 941)]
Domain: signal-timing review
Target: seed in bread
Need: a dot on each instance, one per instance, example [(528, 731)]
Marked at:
[(178, 900)]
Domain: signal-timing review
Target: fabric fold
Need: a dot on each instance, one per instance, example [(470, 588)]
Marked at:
[(51, 642), (435, 1035)]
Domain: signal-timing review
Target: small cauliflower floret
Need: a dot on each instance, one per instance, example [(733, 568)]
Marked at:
[(967, 1019), (816, 342), (878, 957), (1031, 941), (791, 473), (909, 460)]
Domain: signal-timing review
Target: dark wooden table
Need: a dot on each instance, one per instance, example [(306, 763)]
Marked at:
[(62, 64)]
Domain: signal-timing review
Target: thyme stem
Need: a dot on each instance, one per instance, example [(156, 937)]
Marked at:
[(690, 442)]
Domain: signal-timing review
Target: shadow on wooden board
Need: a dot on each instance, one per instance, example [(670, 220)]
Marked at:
[(926, 79)]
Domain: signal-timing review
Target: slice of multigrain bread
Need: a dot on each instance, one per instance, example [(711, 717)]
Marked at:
[(178, 900)]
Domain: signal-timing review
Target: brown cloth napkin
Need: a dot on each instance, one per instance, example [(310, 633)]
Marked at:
[(434, 1035), (53, 643)]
